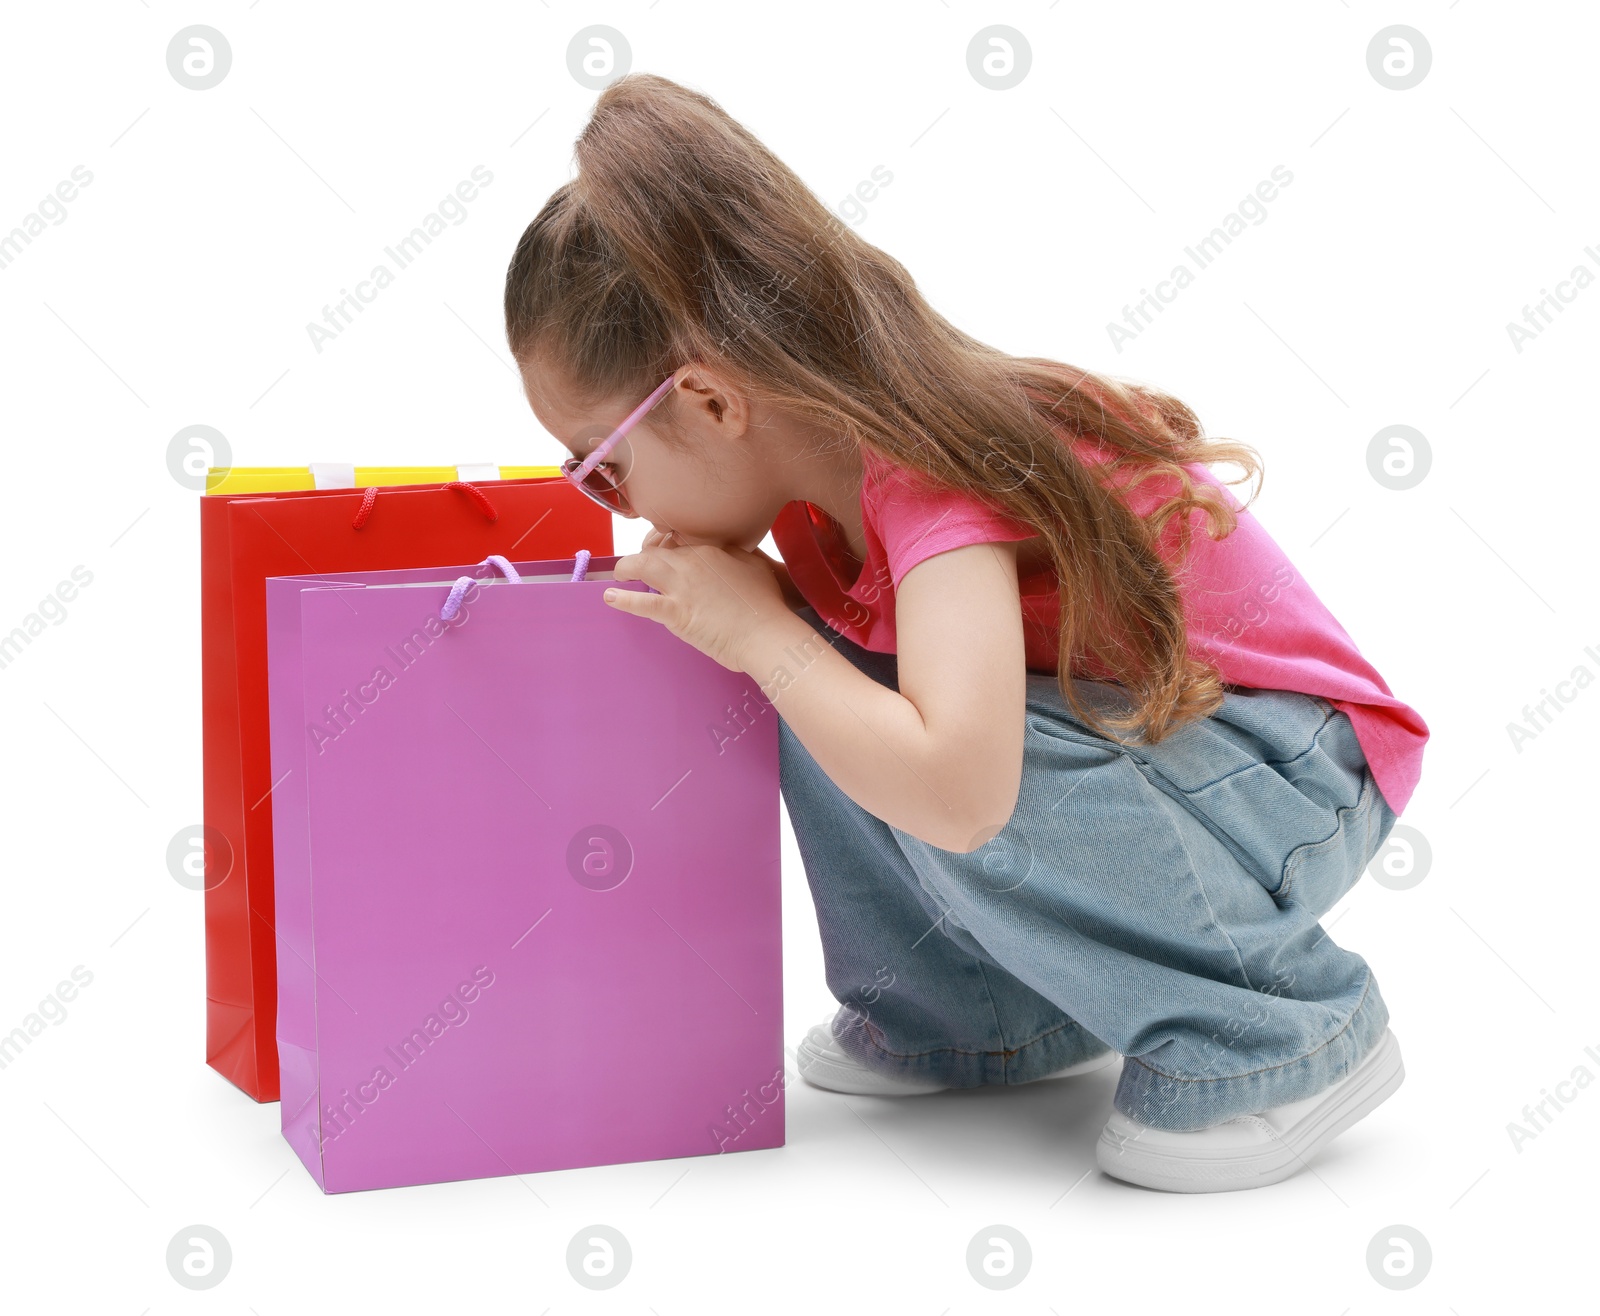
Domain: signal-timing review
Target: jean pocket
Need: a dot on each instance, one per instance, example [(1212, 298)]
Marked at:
[(1318, 873), (1087, 749)]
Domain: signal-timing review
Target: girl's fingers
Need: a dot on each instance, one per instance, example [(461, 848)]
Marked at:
[(652, 568), (635, 601)]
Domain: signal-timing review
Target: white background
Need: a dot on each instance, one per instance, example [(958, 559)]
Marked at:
[(219, 223)]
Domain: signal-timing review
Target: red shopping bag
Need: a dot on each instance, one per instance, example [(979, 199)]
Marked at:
[(244, 539)]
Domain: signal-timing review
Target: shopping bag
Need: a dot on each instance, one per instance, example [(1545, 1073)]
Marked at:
[(527, 869), (338, 475), (244, 539)]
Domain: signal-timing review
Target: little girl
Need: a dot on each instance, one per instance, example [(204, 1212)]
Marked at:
[(1075, 758)]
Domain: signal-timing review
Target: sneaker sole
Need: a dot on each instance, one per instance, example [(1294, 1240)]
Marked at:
[(1208, 1172), (821, 1070)]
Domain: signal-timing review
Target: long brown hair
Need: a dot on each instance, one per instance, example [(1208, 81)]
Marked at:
[(683, 238)]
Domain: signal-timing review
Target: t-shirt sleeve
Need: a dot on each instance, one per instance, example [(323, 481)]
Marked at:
[(916, 519)]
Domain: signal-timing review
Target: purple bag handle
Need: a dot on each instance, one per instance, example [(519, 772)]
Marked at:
[(452, 603)]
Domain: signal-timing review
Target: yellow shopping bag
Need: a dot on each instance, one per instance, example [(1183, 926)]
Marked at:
[(279, 479)]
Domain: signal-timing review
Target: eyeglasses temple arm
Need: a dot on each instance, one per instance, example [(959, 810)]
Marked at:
[(601, 449)]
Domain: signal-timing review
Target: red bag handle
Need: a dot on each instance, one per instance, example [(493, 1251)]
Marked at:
[(370, 497)]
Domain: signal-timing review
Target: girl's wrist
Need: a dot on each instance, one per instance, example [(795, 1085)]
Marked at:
[(791, 593), (774, 653)]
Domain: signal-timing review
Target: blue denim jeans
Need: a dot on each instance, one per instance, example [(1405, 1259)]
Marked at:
[(1159, 900)]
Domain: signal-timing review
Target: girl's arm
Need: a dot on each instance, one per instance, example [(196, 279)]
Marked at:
[(941, 758)]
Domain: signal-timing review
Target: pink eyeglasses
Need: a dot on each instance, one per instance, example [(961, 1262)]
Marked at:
[(593, 474)]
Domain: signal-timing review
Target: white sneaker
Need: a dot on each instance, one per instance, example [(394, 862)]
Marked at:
[(824, 1064), (1251, 1150)]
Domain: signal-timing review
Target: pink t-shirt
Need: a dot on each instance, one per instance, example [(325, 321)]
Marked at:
[(1249, 612)]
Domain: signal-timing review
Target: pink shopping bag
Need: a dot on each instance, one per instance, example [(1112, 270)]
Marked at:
[(527, 880)]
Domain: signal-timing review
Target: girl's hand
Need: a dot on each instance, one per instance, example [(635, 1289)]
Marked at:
[(791, 594), (711, 597)]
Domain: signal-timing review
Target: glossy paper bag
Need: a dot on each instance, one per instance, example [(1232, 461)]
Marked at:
[(527, 881)]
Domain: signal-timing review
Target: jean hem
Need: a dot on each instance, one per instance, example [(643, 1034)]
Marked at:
[(1183, 1103), (1067, 1043)]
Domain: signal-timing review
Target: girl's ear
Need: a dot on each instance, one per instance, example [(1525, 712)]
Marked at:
[(715, 398)]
